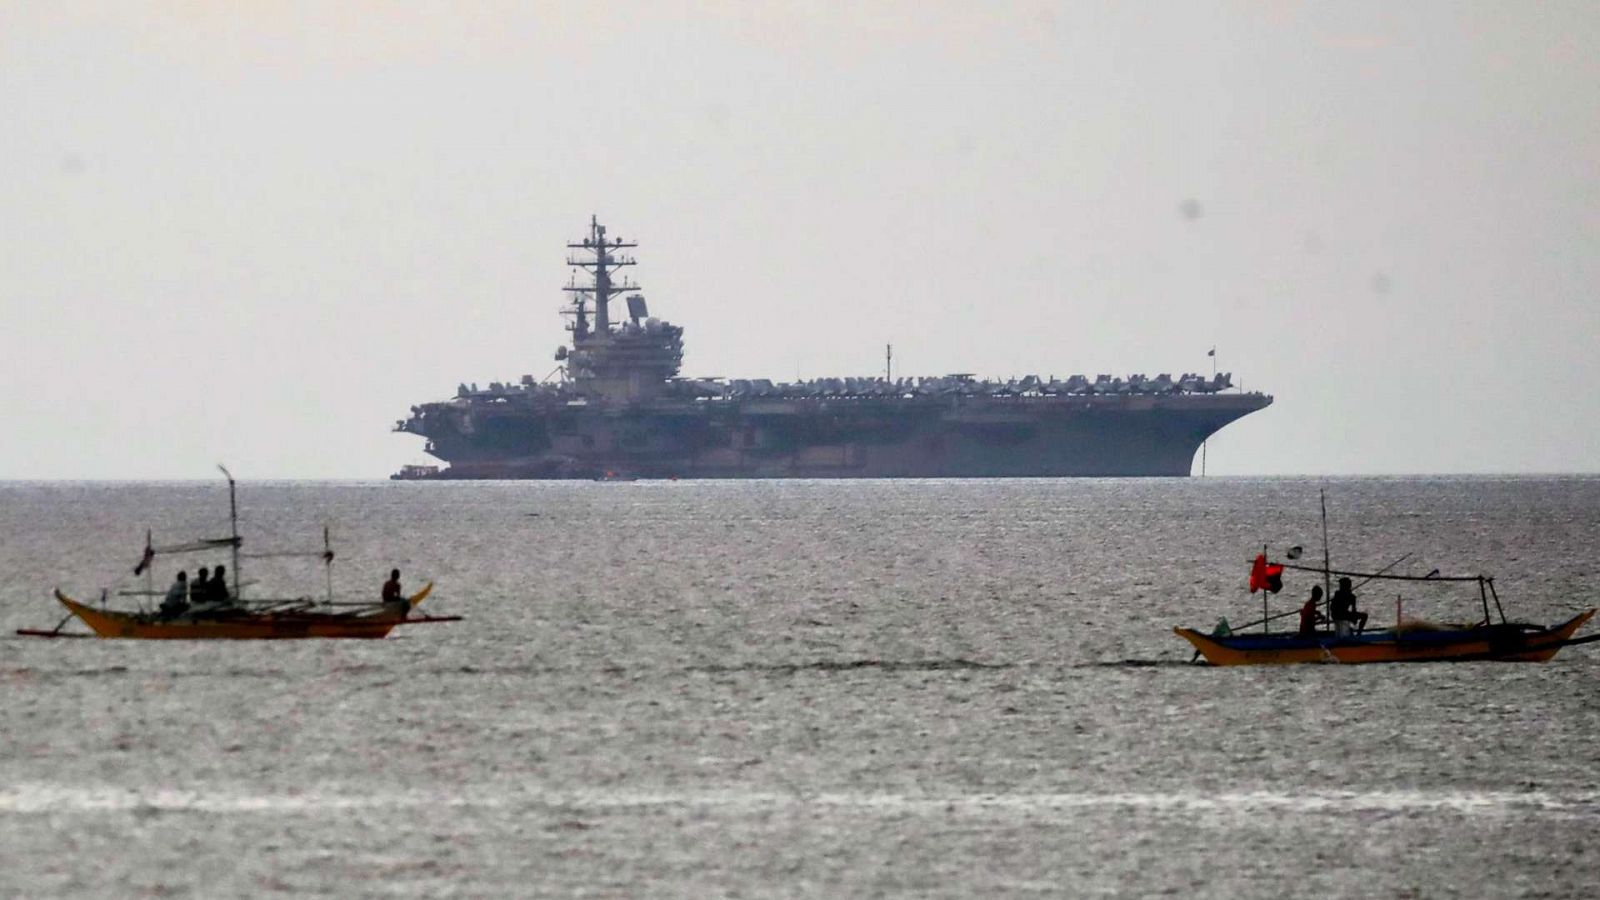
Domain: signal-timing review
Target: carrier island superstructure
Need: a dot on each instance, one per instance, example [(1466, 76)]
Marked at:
[(620, 409)]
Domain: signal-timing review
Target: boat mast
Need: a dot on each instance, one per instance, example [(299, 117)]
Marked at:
[(1327, 565), (606, 261), (233, 518), (327, 561), (1265, 616)]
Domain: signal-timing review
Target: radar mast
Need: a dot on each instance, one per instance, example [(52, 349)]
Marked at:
[(632, 360), (605, 262)]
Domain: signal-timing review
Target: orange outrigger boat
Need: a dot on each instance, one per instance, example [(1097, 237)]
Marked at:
[(239, 618)]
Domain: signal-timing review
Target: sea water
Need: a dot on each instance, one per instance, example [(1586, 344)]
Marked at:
[(806, 688)]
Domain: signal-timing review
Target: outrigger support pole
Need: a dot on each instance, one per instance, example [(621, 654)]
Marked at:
[(1275, 617), (1382, 571), (1496, 595), (1484, 596)]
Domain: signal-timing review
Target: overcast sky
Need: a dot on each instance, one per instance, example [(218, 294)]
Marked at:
[(258, 232)]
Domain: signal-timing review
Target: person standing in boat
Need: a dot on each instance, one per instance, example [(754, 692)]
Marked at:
[(1310, 612), (177, 599), (1345, 615), (394, 599)]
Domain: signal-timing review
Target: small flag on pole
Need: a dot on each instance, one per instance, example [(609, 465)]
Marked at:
[(145, 560), (1212, 352)]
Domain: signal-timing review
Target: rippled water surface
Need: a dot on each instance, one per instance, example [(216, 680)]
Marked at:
[(945, 688)]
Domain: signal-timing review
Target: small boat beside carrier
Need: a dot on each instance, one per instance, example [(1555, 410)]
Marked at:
[(238, 618)]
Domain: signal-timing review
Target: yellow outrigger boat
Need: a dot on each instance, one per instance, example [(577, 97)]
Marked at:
[(299, 619), (1500, 641), (1412, 640), (238, 618)]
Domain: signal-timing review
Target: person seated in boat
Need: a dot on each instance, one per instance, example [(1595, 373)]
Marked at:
[(217, 588), (1311, 612), (201, 586), (1344, 613), (394, 599), (177, 599)]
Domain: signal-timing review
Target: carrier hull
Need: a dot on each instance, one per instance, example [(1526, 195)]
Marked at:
[(982, 438)]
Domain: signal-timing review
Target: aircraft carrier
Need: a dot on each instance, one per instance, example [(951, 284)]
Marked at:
[(616, 408)]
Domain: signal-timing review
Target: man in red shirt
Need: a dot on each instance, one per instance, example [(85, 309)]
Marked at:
[(1309, 612)]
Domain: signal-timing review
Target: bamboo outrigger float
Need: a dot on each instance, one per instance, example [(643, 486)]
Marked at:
[(1411, 640), (241, 619)]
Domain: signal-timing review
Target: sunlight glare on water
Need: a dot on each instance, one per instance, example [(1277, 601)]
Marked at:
[(945, 688)]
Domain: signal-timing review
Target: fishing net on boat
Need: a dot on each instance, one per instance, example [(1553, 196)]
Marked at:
[(1409, 624)]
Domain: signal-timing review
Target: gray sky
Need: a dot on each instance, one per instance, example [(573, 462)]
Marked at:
[(258, 232)]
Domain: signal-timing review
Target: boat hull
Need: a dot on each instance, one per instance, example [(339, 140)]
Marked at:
[(1503, 643), (241, 626)]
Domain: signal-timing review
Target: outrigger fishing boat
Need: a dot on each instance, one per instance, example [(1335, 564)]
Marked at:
[(1412, 640), (240, 618), (1408, 640)]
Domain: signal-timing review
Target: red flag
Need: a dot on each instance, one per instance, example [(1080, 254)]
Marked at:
[(1265, 576)]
